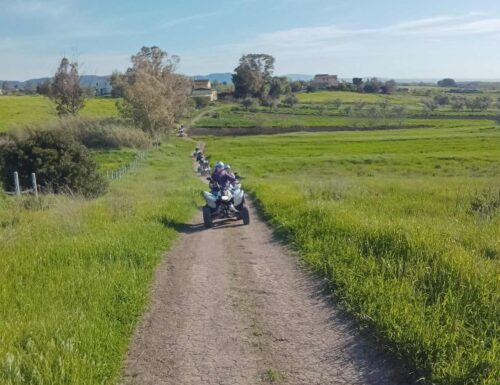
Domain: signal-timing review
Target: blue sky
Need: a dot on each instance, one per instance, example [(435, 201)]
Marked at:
[(386, 38)]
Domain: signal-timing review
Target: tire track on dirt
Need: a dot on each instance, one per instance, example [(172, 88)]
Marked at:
[(230, 305)]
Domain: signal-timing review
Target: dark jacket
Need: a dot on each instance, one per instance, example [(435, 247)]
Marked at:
[(223, 178)]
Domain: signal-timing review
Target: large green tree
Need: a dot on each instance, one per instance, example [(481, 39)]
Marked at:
[(154, 96), (253, 75)]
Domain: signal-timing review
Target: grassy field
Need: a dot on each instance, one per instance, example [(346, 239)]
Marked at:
[(74, 274), (411, 100), (227, 118), (351, 109), (406, 226), (110, 160), (22, 110)]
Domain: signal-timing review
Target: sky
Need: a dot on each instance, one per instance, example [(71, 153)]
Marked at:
[(401, 39)]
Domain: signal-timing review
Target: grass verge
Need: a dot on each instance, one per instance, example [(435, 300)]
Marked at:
[(405, 224), (75, 274)]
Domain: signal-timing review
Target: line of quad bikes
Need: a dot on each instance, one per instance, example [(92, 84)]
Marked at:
[(223, 203)]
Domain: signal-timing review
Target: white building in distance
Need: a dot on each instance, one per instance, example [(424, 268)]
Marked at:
[(203, 89)]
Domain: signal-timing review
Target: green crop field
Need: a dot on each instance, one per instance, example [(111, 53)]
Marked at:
[(411, 100), (75, 274), (406, 226), (226, 118), (22, 110), (344, 109)]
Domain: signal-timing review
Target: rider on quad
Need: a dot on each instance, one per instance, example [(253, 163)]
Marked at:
[(221, 176), (226, 198)]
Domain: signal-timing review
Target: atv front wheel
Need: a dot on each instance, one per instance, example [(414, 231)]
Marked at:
[(207, 217), (245, 215)]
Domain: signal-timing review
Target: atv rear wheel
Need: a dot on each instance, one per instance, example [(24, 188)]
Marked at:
[(245, 215), (207, 217)]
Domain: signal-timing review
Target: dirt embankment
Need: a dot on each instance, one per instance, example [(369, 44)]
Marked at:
[(241, 131)]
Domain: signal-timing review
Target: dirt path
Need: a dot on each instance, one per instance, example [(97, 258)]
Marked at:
[(231, 306), (200, 115)]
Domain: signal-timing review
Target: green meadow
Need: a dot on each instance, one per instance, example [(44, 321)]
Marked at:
[(411, 100), (353, 109), (264, 119), (76, 273), (406, 226), (404, 223), (17, 111)]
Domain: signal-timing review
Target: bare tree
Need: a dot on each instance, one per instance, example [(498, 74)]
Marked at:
[(65, 90), (154, 96)]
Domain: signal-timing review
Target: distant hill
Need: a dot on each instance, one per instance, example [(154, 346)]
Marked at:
[(85, 81), (228, 77), (220, 77), (296, 77)]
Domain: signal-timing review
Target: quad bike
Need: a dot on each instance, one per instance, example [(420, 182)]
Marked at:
[(204, 168), (224, 203)]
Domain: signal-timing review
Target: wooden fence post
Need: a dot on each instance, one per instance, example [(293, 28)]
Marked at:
[(34, 185), (16, 183)]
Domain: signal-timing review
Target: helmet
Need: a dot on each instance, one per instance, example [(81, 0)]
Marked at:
[(227, 167), (219, 166), (196, 149)]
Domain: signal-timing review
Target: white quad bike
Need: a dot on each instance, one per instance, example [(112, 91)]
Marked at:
[(227, 203)]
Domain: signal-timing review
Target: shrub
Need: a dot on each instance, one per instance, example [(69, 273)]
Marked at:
[(248, 103), (201, 102), (60, 163), (290, 100)]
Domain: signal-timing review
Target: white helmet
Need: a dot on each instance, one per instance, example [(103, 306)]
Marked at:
[(219, 165)]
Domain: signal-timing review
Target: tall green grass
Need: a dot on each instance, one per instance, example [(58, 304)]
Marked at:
[(22, 110), (406, 226), (74, 274)]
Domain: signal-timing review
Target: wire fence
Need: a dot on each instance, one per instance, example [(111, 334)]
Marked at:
[(122, 171), (111, 175)]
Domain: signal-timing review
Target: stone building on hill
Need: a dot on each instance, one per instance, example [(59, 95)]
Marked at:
[(325, 81)]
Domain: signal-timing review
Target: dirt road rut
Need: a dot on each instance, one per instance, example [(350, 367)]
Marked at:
[(232, 306)]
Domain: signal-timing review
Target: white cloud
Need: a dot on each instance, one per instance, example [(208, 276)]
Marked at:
[(185, 20), (334, 38), (29, 8)]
